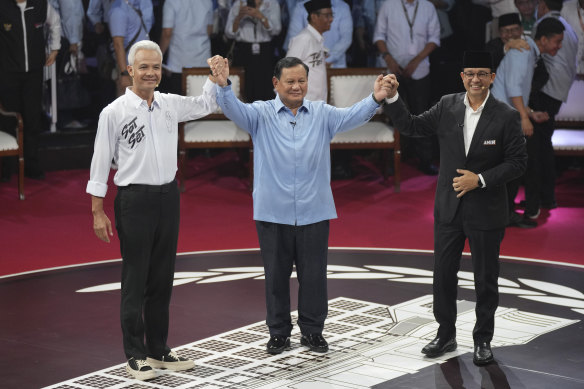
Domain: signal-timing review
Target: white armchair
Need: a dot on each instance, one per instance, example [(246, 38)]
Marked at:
[(215, 131), (345, 88)]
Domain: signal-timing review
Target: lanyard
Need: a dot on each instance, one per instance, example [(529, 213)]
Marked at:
[(411, 22), (579, 16)]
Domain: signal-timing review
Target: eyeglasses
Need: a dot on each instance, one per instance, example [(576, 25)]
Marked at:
[(326, 14), (480, 75)]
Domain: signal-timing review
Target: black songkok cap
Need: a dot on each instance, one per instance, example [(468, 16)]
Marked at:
[(477, 59), (509, 19), (315, 5)]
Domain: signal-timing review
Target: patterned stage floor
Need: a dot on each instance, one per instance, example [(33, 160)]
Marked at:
[(380, 316)]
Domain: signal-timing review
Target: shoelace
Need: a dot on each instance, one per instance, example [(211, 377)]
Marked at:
[(172, 356), (142, 363)]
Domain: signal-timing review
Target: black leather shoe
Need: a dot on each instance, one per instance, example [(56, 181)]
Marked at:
[(315, 341), (277, 344), (482, 354), (516, 220), (439, 346)]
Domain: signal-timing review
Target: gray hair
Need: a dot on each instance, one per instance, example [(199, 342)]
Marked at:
[(142, 45)]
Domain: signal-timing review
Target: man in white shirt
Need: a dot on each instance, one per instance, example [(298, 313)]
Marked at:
[(407, 31), (139, 131), (309, 47)]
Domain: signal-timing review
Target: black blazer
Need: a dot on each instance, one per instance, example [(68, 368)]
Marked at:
[(497, 151)]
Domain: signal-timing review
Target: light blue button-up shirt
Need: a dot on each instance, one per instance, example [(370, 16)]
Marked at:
[(562, 66), (190, 45), (292, 166), (124, 21), (71, 12), (337, 40), (514, 74)]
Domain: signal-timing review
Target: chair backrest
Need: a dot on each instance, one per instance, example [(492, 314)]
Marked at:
[(571, 112), (193, 80), (351, 85)]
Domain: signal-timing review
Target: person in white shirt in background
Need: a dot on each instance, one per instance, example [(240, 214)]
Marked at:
[(186, 31), (139, 132), (573, 13), (253, 25), (309, 47)]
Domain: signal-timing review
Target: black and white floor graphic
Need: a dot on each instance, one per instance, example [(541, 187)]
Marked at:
[(369, 344), (60, 328)]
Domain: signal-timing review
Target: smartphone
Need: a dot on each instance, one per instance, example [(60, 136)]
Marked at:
[(251, 3)]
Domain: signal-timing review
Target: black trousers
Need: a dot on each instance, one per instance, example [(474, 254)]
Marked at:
[(258, 70), (540, 175), (449, 239), (416, 95), (22, 92), (283, 246), (147, 221)]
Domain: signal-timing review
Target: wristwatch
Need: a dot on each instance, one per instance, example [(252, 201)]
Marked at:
[(263, 20)]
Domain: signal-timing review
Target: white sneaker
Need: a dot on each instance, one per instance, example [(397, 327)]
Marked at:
[(171, 361), (533, 217), (140, 369)]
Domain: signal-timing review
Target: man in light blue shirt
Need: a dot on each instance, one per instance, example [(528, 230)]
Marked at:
[(130, 21), (71, 12), (292, 196), (513, 85), (186, 30), (540, 183), (337, 40)]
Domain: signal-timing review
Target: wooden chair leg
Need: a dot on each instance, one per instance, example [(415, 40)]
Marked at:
[(182, 156), (397, 169), (21, 177)]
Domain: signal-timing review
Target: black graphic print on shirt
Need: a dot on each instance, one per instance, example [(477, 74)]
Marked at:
[(315, 59), (132, 133)]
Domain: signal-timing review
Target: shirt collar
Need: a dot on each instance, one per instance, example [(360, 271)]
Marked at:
[(481, 107), (135, 101), (279, 105), (315, 33)]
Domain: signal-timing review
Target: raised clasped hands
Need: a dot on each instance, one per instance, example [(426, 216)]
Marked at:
[(219, 69), (385, 87)]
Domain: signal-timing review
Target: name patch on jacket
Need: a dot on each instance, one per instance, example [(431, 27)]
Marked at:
[(489, 142), (132, 133)]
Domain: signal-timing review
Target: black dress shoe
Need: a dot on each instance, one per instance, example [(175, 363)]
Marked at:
[(516, 220), (277, 344), (482, 354), (439, 346), (315, 341)]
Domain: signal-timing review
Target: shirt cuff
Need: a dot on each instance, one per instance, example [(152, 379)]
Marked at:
[(392, 100), (482, 180), (96, 189)]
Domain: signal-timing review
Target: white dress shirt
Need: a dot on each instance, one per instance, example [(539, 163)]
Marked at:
[(251, 30), (392, 28), (309, 47), (143, 141), (574, 15)]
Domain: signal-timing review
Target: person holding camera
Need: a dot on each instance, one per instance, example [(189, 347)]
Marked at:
[(253, 25)]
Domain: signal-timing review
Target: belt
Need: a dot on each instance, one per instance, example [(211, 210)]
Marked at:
[(149, 188)]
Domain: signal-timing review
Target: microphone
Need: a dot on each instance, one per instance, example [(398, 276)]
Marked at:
[(150, 109), (460, 124), (293, 124)]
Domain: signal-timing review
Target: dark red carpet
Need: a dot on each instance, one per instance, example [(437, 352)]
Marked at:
[(53, 226)]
